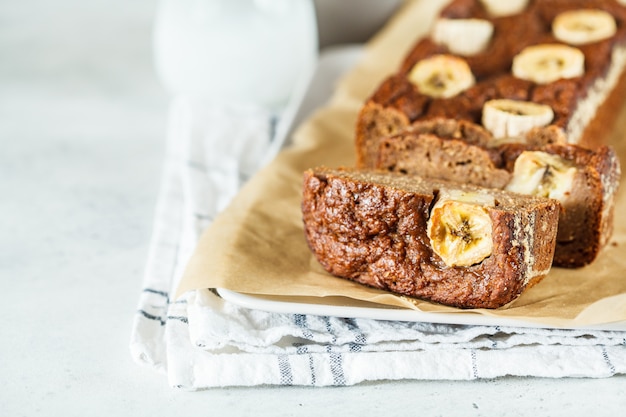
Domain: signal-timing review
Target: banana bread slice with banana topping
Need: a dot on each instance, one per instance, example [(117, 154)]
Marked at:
[(585, 182), (458, 245)]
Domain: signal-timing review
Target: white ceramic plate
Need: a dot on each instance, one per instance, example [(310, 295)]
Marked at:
[(346, 307)]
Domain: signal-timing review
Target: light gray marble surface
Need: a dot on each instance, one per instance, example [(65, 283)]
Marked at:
[(82, 128)]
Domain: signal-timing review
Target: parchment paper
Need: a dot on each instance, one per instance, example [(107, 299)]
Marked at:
[(257, 245)]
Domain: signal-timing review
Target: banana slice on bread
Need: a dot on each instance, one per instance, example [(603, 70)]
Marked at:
[(506, 118), (460, 228), (579, 27), (542, 174), (499, 8), (546, 63), (464, 37), (442, 76)]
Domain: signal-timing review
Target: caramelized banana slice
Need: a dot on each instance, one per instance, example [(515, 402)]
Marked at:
[(463, 36), (460, 228), (510, 118), (579, 27), (546, 63), (542, 174), (498, 8), (442, 76)]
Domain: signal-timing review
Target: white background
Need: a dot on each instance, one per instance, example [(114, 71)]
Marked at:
[(82, 130)]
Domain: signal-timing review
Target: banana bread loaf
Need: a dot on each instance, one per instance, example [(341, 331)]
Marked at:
[(462, 246), (554, 65)]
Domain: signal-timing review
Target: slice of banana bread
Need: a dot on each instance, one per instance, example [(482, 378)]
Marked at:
[(462, 246), (584, 181)]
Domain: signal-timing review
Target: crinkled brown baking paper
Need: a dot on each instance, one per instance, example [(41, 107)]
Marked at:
[(257, 245)]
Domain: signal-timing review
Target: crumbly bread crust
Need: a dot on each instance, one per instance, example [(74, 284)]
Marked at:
[(370, 227)]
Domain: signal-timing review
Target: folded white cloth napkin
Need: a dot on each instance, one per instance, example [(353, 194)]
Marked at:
[(202, 341)]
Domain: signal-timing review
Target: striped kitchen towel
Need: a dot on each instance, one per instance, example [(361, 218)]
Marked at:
[(201, 341)]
